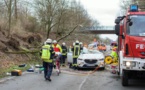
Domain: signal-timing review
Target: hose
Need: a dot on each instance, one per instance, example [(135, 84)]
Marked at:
[(108, 60)]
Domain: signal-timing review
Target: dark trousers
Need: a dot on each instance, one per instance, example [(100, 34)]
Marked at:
[(48, 67), (74, 60), (63, 59)]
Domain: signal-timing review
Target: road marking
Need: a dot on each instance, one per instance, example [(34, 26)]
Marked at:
[(81, 85)]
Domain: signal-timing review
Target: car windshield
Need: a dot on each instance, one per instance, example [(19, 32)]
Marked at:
[(137, 26), (88, 51)]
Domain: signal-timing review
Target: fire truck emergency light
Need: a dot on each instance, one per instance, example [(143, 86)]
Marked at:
[(133, 8)]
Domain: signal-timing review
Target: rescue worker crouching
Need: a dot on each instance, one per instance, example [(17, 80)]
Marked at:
[(64, 54), (47, 55), (76, 50)]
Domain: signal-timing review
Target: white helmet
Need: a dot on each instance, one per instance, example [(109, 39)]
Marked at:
[(63, 44), (81, 43), (77, 41), (54, 41), (48, 41)]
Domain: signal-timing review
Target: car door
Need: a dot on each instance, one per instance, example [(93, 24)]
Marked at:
[(69, 57)]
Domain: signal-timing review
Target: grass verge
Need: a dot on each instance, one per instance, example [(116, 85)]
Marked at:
[(8, 70)]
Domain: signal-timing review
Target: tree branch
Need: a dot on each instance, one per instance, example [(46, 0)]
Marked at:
[(6, 3), (68, 33)]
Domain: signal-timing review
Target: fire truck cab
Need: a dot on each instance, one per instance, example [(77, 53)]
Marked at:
[(131, 44)]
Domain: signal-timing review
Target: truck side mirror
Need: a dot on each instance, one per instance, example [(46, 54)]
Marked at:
[(130, 23), (117, 21), (117, 29)]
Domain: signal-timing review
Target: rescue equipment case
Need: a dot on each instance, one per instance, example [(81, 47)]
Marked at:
[(16, 73)]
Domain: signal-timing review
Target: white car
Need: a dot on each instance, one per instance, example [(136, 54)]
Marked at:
[(69, 58), (91, 59), (88, 59)]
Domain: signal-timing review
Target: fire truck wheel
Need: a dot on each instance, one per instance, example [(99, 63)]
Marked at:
[(124, 78)]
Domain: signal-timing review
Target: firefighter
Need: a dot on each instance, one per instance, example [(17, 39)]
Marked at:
[(99, 47), (114, 55), (47, 55), (64, 54), (76, 52), (70, 48), (95, 42), (81, 46)]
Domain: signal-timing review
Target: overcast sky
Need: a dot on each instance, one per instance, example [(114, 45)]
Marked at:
[(105, 11)]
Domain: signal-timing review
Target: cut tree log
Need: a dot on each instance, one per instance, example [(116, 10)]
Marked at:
[(22, 52)]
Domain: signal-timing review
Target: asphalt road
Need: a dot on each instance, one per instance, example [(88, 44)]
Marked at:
[(100, 80), (70, 80)]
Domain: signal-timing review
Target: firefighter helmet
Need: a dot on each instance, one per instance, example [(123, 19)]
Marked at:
[(54, 41), (48, 41)]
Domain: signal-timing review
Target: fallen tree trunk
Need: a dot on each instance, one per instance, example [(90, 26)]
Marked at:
[(22, 52)]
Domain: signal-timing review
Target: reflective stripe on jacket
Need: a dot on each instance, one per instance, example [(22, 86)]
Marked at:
[(76, 51), (64, 50), (114, 54), (46, 54)]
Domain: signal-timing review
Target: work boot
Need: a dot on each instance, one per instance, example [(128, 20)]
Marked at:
[(63, 65), (54, 66), (70, 65), (48, 79), (74, 67)]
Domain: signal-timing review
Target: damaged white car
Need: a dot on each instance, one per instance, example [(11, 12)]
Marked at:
[(91, 59), (88, 59)]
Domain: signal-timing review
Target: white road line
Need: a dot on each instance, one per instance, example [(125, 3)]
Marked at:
[(81, 85)]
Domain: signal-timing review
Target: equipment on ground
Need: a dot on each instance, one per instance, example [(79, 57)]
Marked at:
[(16, 72), (108, 59)]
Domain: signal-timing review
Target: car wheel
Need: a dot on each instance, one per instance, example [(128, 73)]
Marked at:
[(124, 78)]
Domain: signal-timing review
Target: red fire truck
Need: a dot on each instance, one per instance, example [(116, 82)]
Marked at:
[(131, 44)]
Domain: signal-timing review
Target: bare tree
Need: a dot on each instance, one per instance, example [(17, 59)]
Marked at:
[(61, 16), (16, 14), (9, 5), (124, 6)]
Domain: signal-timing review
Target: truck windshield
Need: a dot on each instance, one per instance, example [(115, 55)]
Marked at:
[(137, 28)]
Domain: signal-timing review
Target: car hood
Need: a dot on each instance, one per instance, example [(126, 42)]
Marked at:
[(91, 56)]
